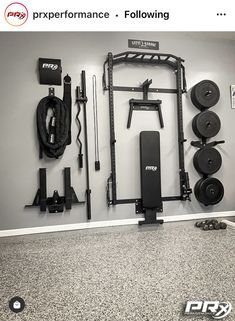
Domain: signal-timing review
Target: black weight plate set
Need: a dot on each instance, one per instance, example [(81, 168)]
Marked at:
[(209, 191), (207, 160), (206, 124), (205, 94)]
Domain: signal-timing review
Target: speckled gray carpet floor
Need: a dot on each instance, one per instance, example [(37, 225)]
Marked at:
[(117, 274)]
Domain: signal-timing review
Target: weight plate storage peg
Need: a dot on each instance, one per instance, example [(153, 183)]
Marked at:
[(209, 191), (207, 160), (205, 94), (206, 124)]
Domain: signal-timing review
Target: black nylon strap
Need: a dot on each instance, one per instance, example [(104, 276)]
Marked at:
[(67, 99)]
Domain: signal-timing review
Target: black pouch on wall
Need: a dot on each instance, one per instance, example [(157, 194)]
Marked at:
[(49, 71)]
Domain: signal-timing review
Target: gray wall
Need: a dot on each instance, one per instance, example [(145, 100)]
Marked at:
[(207, 56)]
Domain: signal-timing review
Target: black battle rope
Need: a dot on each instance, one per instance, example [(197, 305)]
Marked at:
[(80, 155), (54, 137)]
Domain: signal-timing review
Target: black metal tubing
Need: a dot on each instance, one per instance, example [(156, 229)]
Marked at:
[(136, 200), (84, 101), (139, 89), (112, 129), (67, 188), (185, 190), (171, 198), (173, 62), (140, 54), (149, 58), (43, 189), (127, 201)]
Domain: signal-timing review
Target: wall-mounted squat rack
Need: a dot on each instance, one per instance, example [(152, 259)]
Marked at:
[(175, 64)]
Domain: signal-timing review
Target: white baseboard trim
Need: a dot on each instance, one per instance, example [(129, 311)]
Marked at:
[(88, 225)]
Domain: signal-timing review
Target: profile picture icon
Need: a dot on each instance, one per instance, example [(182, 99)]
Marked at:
[(16, 14)]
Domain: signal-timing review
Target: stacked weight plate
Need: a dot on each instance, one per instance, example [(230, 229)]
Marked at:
[(207, 160)]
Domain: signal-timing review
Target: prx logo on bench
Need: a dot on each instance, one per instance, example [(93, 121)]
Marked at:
[(218, 310), (151, 168)]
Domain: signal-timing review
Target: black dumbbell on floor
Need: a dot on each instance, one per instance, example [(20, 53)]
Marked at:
[(211, 225)]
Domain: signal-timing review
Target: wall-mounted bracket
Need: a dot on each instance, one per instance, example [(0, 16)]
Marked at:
[(145, 87), (145, 104), (56, 203), (203, 143)]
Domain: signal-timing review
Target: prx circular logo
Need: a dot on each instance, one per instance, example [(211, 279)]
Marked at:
[(16, 14)]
